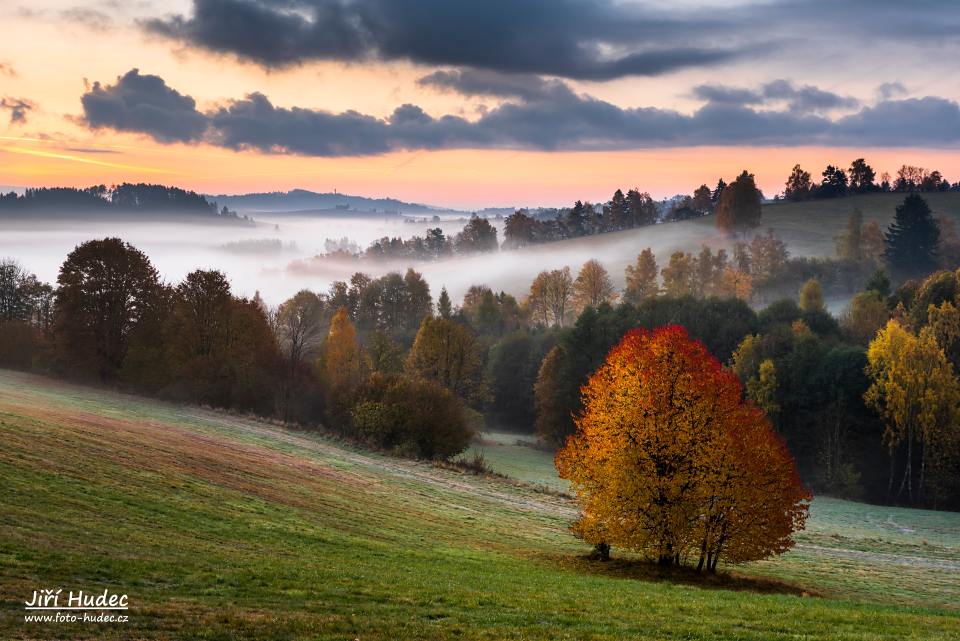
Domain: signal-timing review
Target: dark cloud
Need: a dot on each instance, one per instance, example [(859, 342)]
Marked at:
[(552, 118), (592, 39), (581, 39), (18, 108), (481, 82), (802, 99), (930, 121), (7, 69), (143, 104)]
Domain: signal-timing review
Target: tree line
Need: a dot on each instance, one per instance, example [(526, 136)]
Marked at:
[(861, 178), (125, 198)]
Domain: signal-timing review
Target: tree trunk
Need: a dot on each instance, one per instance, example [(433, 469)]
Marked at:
[(703, 554), (893, 462), (908, 470), (601, 551), (923, 466)]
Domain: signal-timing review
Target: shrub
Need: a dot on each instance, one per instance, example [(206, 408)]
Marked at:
[(411, 415)]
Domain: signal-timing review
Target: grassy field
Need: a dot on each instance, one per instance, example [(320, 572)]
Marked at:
[(221, 527)]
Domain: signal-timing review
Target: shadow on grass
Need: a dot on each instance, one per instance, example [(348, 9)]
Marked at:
[(641, 570)]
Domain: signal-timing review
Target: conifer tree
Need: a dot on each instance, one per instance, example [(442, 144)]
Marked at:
[(911, 240)]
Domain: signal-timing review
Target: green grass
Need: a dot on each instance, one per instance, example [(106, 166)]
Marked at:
[(222, 527)]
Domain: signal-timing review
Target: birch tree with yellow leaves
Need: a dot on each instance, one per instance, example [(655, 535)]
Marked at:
[(915, 392)]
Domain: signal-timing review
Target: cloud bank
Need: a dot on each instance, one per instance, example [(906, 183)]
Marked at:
[(577, 39), (547, 115), (592, 39)]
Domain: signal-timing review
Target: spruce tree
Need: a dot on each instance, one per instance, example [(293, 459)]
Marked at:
[(444, 306), (911, 240)]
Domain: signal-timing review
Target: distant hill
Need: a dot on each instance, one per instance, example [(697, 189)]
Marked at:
[(304, 201), (138, 201)]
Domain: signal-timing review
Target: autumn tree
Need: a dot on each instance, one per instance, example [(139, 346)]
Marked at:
[(342, 366), (739, 207), (811, 297), (593, 286), (490, 314), (735, 284), (519, 230), (709, 269), (768, 255), (943, 321), (106, 288), (864, 316), (641, 278), (872, 242), (948, 250), (221, 350), (551, 296), (13, 299), (553, 415), (762, 389), (669, 461), (914, 390), (411, 415), (849, 243), (702, 200), (26, 306), (478, 236), (447, 352), (300, 325), (679, 276)]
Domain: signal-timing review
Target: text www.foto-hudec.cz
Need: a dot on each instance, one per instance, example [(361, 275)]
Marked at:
[(55, 606)]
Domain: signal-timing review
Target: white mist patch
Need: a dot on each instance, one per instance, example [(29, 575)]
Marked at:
[(275, 257)]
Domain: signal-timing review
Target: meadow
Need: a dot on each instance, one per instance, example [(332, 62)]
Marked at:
[(225, 527)]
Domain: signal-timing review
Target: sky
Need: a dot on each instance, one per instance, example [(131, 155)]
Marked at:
[(472, 103)]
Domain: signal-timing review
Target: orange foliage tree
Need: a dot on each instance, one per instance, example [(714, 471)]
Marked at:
[(669, 460)]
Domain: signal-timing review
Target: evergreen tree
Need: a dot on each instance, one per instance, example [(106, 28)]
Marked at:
[(444, 306), (911, 240), (619, 212), (575, 220), (721, 185)]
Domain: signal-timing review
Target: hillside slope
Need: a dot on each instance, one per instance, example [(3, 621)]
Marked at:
[(221, 527), (809, 229)]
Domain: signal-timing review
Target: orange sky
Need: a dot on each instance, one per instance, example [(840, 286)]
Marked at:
[(460, 178), (55, 57)]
